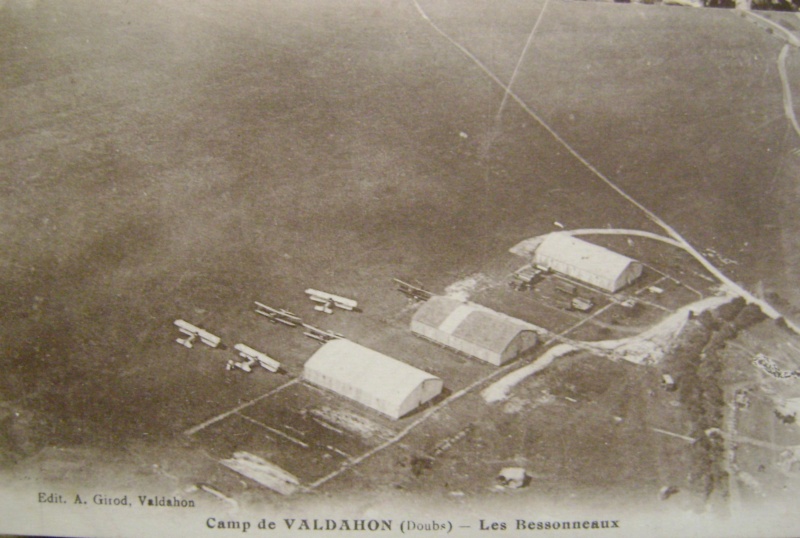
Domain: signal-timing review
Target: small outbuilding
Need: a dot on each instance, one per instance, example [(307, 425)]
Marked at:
[(586, 262), (473, 329), (513, 477), (668, 383), (382, 383)]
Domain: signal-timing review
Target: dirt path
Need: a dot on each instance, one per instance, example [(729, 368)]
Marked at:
[(788, 105), (790, 37), (649, 346), (499, 390), (645, 348), (527, 246)]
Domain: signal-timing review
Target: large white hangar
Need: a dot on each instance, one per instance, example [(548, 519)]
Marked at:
[(387, 385), (473, 329), (587, 262)]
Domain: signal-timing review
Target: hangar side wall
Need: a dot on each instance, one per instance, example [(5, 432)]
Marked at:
[(448, 340), (626, 277), (352, 392), (575, 272), (522, 342), (422, 393)]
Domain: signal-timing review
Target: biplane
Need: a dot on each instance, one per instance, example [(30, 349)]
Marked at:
[(251, 357), (328, 301), (412, 292), (319, 334), (192, 333), (278, 315)]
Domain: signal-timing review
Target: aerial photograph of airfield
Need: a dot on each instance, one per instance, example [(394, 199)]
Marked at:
[(262, 253)]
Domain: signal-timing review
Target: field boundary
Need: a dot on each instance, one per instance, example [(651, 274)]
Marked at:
[(235, 410)]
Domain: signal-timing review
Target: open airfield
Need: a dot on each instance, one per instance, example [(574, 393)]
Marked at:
[(182, 160)]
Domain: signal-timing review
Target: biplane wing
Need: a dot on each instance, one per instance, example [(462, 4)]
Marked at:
[(320, 335), (328, 300), (193, 333), (253, 356), (412, 291), (278, 315)]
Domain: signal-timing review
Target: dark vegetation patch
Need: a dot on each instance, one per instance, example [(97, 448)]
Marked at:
[(698, 365)]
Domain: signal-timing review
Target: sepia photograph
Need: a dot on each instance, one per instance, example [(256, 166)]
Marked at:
[(399, 267)]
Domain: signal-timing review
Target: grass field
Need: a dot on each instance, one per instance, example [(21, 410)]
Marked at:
[(182, 160)]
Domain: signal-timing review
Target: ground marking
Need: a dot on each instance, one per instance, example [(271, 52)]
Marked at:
[(209, 422), (342, 453), (755, 442), (656, 305), (328, 426), (673, 434), (519, 63), (588, 318), (647, 287), (274, 430)]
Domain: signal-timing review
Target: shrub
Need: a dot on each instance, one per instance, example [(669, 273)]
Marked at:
[(420, 464), (749, 316), (730, 310)]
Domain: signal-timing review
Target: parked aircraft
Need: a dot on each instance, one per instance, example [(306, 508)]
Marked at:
[(278, 315), (251, 356), (319, 334), (192, 333), (329, 301), (411, 291)]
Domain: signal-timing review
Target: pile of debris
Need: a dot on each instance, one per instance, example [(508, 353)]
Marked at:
[(769, 366)]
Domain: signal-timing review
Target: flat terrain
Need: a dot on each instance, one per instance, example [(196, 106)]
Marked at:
[(181, 160)]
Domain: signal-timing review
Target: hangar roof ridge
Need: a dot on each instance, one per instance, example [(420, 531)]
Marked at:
[(472, 322), (584, 255), (372, 371)]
